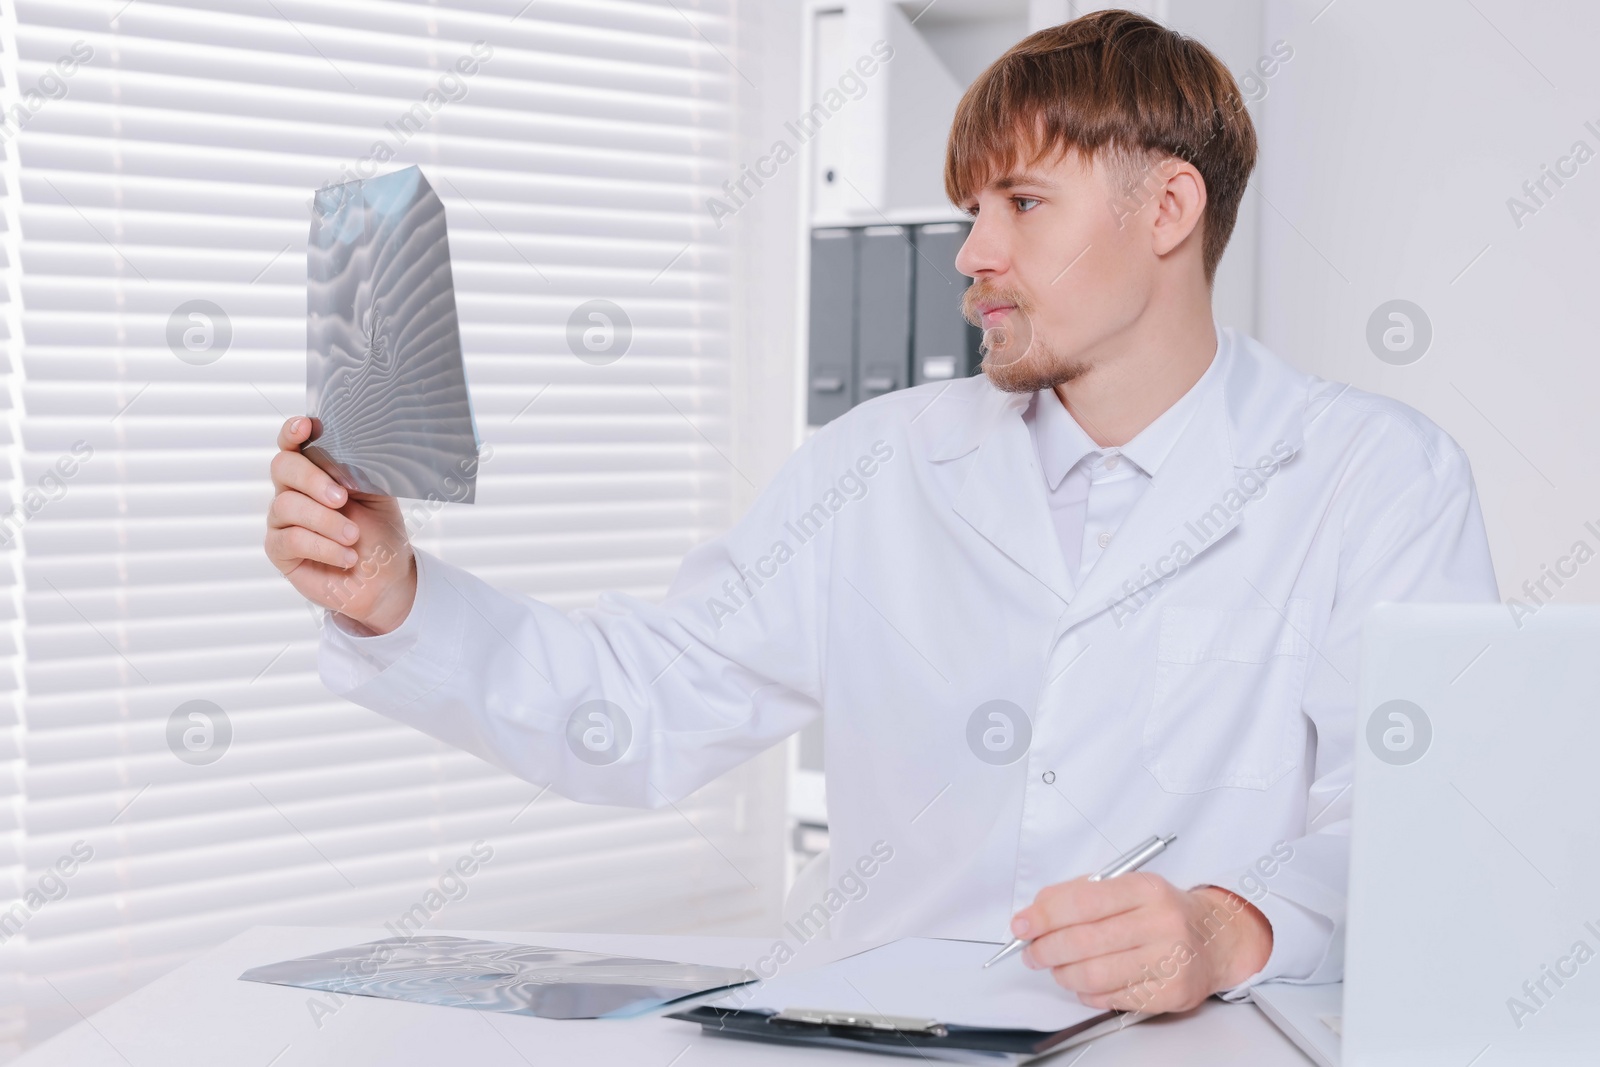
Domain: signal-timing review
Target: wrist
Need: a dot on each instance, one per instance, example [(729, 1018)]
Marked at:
[(1243, 940), (394, 603)]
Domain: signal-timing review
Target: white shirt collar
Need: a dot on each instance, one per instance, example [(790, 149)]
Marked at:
[(1062, 443)]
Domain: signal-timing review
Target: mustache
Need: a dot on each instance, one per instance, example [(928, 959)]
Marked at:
[(984, 291)]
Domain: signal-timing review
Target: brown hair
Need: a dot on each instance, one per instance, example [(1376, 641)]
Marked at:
[(1115, 83)]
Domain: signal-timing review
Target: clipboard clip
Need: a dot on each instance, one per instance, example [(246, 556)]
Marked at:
[(861, 1021)]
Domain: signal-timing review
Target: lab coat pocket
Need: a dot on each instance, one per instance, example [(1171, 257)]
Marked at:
[(1225, 704)]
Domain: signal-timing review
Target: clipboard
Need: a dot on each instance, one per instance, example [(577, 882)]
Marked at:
[(899, 1035), (916, 996)]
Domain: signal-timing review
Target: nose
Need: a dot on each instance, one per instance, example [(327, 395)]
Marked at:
[(985, 251)]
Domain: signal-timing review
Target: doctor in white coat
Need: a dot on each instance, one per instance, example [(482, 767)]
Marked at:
[(1110, 588)]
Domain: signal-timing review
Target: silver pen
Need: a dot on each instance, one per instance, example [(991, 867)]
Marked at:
[(1129, 861)]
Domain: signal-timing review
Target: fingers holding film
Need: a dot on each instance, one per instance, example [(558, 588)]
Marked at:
[(292, 544), (293, 432), (291, 508), (292, 470)]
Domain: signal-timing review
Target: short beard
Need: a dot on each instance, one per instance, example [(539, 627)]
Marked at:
[(1038, 368), (1032, 368)]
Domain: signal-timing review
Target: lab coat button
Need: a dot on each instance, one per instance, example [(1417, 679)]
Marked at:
[(1049, 777)]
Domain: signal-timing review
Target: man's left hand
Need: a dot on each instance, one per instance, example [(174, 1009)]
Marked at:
[(1138, 943)]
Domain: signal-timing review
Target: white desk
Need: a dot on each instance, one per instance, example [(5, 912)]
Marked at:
[(202, 1014)]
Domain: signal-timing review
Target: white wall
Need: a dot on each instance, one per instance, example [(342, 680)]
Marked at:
[(1392, 142), (1233, 30)]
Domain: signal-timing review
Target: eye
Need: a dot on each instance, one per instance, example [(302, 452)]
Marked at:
[(970, 210), (1024, 203)]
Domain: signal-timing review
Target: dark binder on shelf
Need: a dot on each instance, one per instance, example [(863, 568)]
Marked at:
[(944, 345), (883, 312), (831, 368)]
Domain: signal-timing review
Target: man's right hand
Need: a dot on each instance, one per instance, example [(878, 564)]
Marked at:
[(346, 551)]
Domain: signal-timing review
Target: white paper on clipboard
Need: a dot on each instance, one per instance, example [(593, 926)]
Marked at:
[(925, 978)]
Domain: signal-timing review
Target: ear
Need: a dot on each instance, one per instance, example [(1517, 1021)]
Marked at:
[(1180, 203)]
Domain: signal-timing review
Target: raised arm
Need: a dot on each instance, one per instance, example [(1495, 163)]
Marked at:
[(629, 702)]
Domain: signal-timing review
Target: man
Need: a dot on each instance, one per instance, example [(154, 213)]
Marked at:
[(1111, 588)]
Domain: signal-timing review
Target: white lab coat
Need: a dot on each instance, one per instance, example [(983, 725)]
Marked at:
[(902, 570)]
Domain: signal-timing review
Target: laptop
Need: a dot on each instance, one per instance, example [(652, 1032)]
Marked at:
[(1473, 933)]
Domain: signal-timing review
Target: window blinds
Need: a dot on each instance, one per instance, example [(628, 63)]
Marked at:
[(158, 206), (12, 869)]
